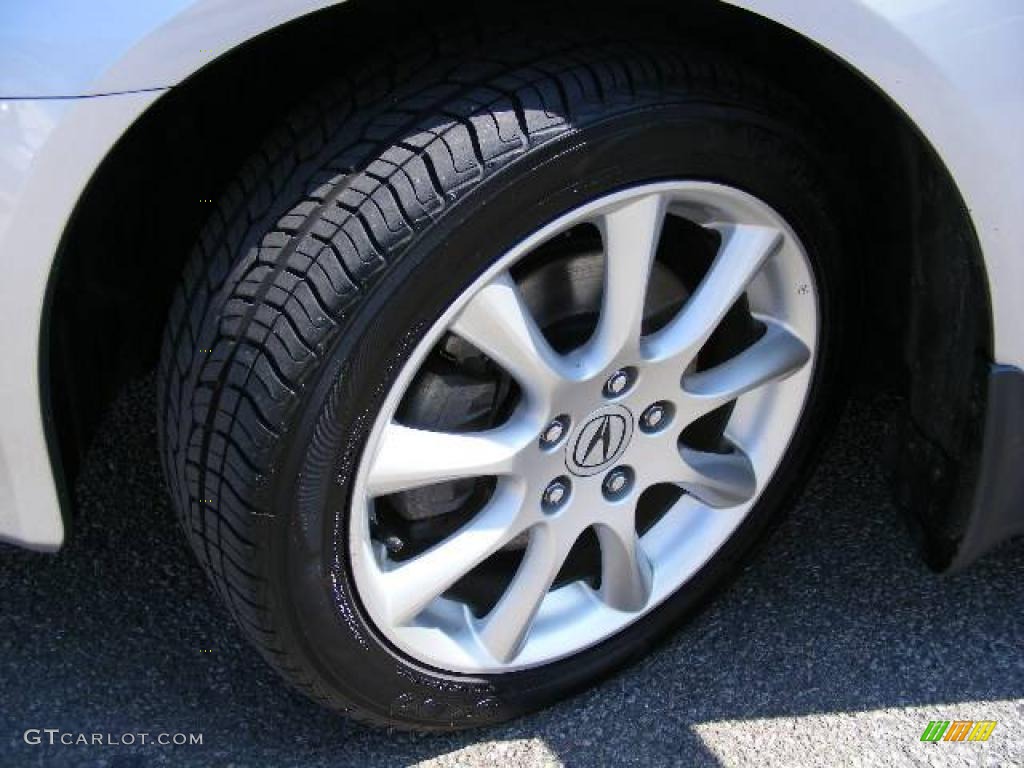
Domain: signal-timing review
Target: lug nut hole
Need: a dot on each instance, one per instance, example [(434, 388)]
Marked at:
[(556, 494), (656, 417), (617, 483), (620, 382), (554, 433)]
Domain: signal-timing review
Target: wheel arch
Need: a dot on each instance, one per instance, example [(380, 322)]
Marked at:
[(923, 289)]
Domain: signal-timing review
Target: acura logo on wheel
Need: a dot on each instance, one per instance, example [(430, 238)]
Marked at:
[(600, 440)]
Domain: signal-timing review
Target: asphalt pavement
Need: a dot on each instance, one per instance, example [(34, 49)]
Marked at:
[(836, 647)]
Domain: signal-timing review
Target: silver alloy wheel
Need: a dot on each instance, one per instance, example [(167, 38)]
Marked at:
[(610, 454)]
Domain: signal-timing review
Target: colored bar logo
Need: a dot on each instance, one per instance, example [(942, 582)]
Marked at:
[(958, 730)]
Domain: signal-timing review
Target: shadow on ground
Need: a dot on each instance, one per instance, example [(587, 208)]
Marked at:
[(120, 633)]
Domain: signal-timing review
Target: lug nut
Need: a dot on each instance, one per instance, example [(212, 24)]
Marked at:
[(618, 382), (655, 417), (617, 483), (556, 494), (554, 432)]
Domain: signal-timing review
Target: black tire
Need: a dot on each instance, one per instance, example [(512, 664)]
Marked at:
[(340, 243)]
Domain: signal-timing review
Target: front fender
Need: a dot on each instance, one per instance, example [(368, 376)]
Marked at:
[(61, 48), (956, 69)]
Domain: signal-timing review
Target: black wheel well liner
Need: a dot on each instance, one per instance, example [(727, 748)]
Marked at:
[(923, 297)]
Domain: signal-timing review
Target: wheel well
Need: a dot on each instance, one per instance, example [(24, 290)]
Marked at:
[(922, 297)]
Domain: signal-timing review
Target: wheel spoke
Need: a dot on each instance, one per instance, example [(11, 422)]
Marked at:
[(411, 458), (498, 322), (774, 357), (718, 479), (505, 628), (413, 584), (743, 252), (631, 234), (625, 569)]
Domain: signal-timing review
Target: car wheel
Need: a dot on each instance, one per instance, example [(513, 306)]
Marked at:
[(477, 384)]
